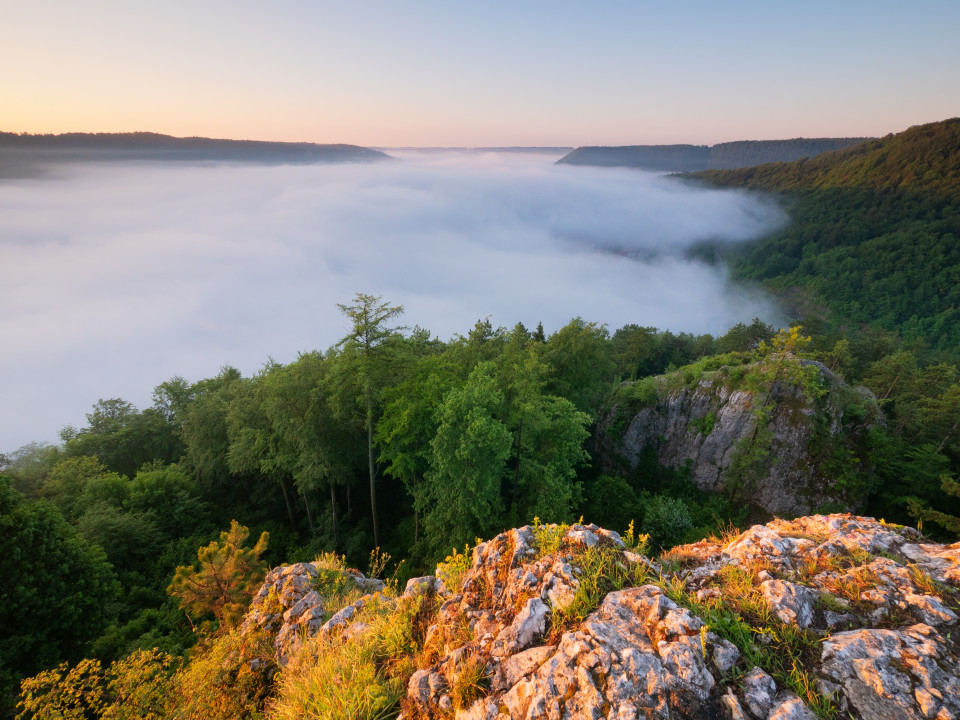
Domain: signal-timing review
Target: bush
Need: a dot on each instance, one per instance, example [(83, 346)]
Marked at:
[(667, 521)]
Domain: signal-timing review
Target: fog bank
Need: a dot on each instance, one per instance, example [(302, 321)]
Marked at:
[(115, 278)]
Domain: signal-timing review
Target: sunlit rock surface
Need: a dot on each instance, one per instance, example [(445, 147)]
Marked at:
[(640, 654), (866, 611), (289, 605)]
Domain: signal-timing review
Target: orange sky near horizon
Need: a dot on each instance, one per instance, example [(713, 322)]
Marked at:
[(432, 74)]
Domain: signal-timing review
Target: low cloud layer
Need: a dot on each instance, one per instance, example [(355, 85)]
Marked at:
[(117, 277)]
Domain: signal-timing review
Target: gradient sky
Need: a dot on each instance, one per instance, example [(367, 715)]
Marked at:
[(447, 73)]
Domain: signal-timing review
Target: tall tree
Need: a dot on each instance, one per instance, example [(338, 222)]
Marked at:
[(56, 592), (468, 462), (409, 423), (365, 346)]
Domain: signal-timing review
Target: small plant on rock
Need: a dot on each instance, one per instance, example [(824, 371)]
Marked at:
[(549, 538), (471, 681), (454, 568)]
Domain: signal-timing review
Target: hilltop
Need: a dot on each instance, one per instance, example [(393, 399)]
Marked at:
[(693, 158)]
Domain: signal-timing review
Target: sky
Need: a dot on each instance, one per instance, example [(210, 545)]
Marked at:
[(117, 277), (440, 73)]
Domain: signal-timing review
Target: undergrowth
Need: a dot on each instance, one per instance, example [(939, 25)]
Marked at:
[(354, 676)]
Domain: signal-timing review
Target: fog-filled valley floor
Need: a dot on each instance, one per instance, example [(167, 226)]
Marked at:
[(118, 276)]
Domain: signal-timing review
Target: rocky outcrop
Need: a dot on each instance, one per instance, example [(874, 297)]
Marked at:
[(705, 422), (822, 616), (290, 605), (865, 611)]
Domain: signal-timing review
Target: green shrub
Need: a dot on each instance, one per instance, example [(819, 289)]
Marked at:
[(667, 521)]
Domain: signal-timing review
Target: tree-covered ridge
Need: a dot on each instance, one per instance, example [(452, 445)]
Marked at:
[(693, 158), (150, 145), (873, 237), (924, 158)]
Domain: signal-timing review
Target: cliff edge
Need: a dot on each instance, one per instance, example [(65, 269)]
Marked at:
[(823, 616)]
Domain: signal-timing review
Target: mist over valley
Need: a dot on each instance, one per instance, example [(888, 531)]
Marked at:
[(119, 276)]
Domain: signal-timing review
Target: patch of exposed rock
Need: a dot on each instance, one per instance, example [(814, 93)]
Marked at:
[(289, 604), (704, 423), (877, 606)]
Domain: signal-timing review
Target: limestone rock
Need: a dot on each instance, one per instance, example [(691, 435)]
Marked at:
[(289, 606), (909, 673), (759, 691), (790, 602), (788, 706), (701, 423)]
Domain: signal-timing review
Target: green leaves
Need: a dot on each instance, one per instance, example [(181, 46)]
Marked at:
[(468, 461)]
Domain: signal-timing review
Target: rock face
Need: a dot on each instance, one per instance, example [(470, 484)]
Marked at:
[(864, 610), (289, 604), (707, 423)]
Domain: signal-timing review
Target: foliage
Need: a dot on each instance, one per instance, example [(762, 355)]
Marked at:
[(547, 538), (873, 237), (481, 432), (603, 569), (227, 677), (52, 577), (667, 521), (468, 462), (454, 568), (226, 578), (949, 522), (138, 687)]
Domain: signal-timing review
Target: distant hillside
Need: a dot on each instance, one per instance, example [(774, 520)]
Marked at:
[(665, 158), (694, 158), (874, 238), (21, 152), (925, 157)]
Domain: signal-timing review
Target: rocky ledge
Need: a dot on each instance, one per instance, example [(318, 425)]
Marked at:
[(823, 616)]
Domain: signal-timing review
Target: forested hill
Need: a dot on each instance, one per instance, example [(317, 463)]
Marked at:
[(154, 146), (924, 158), (874, 237), (693, 158)]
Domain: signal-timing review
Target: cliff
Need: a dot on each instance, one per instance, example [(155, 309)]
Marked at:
[(786, 434), (816, 617)]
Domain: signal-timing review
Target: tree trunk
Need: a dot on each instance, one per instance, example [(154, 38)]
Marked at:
[(286, 499), (516, 474), (333, 512), (313, 530), (373, 487), (892, 385), (946, 437)]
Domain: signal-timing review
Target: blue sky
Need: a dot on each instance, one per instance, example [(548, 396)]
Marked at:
[(492, 73)]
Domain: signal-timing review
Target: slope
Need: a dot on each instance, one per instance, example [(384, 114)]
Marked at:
[(873, 238)]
